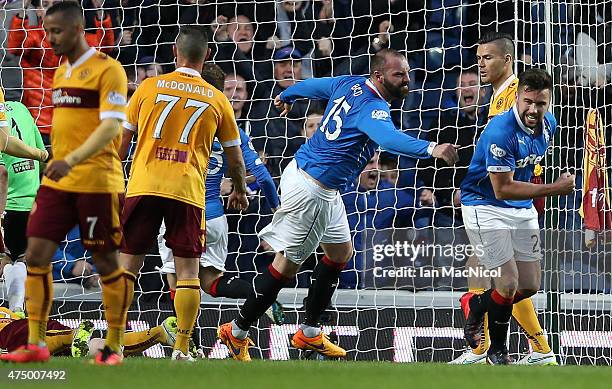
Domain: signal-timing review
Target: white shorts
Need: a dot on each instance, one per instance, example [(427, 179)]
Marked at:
[(499, 234), (308, 215), (216, 246)]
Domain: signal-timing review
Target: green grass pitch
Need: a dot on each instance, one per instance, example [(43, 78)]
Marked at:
[(154, 373)]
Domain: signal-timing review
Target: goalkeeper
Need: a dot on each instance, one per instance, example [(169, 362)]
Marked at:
[(63, 340), (19, 182), (212, 262), (356, 122)]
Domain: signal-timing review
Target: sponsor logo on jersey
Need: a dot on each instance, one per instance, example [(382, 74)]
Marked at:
[(2, 107), (380, 114), (116, 98), (532, 159), (497, 152), (61, 97)]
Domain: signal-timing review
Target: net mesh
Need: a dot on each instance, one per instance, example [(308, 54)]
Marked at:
[(402, 318)]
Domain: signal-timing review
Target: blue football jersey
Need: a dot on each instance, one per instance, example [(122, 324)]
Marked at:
[(356, 122), (217, 166), (505, 145)]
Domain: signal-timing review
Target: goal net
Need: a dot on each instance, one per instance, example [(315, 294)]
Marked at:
[(398, 299)]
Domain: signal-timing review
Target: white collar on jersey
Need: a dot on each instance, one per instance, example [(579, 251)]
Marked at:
[(520, 122), (86, 55), (373, 87), (191, 71), (503, 86)]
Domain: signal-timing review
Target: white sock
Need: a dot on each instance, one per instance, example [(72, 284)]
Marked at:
[(15, 279), (310, 332), (20, 273), (238, 332)]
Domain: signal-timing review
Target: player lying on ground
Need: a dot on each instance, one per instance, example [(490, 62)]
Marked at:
[(495, 55), (83, 184), (177, 117), (63, 340), (357, 121), (497, 207), (212, 262)]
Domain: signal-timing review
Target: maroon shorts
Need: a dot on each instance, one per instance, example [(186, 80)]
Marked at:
[(56, 212), (15, 334), (142, 216)]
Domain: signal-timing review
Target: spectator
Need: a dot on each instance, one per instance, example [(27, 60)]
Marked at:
[(313, 120), (39, 62), (279, 137), (459, 125), (234, 49), (147, 67), (235, 89), (373, 204), (73, 264)]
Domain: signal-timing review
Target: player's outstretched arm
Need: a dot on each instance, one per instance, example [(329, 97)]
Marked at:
[(258, 169), (15, 147), (312, 88), (105, 132), (507, 189), (237, 172)]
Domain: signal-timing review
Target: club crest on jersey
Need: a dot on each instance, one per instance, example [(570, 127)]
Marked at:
[(116, 98), (380, 114), (500, 104), (84, 73), (497, 152)]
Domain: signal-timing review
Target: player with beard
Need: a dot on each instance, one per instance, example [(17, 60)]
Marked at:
[(495, 55), (498, 212), (356, 122)]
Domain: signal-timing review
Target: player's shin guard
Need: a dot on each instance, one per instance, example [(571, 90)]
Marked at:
[(117, 294), (39, 295), (500, 310), (187, 306), (232, 287), (525, 315), (324, 283), (267, 286)]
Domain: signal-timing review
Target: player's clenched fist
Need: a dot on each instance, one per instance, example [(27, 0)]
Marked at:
[(565, 184), (446, 151), (238, 201), (282, 106)]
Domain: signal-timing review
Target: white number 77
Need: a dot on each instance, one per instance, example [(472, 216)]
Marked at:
[(172, 100)]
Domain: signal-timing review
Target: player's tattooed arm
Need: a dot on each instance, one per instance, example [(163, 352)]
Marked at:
[(237, 172)]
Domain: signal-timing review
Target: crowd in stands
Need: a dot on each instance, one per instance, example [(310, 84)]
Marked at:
[(267, 46)]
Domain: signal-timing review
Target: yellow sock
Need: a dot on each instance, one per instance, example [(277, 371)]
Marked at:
[(187, 307), (117, 294), (484, 339), (137, 342), (39, 296), (525, 315), (59, 340)]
